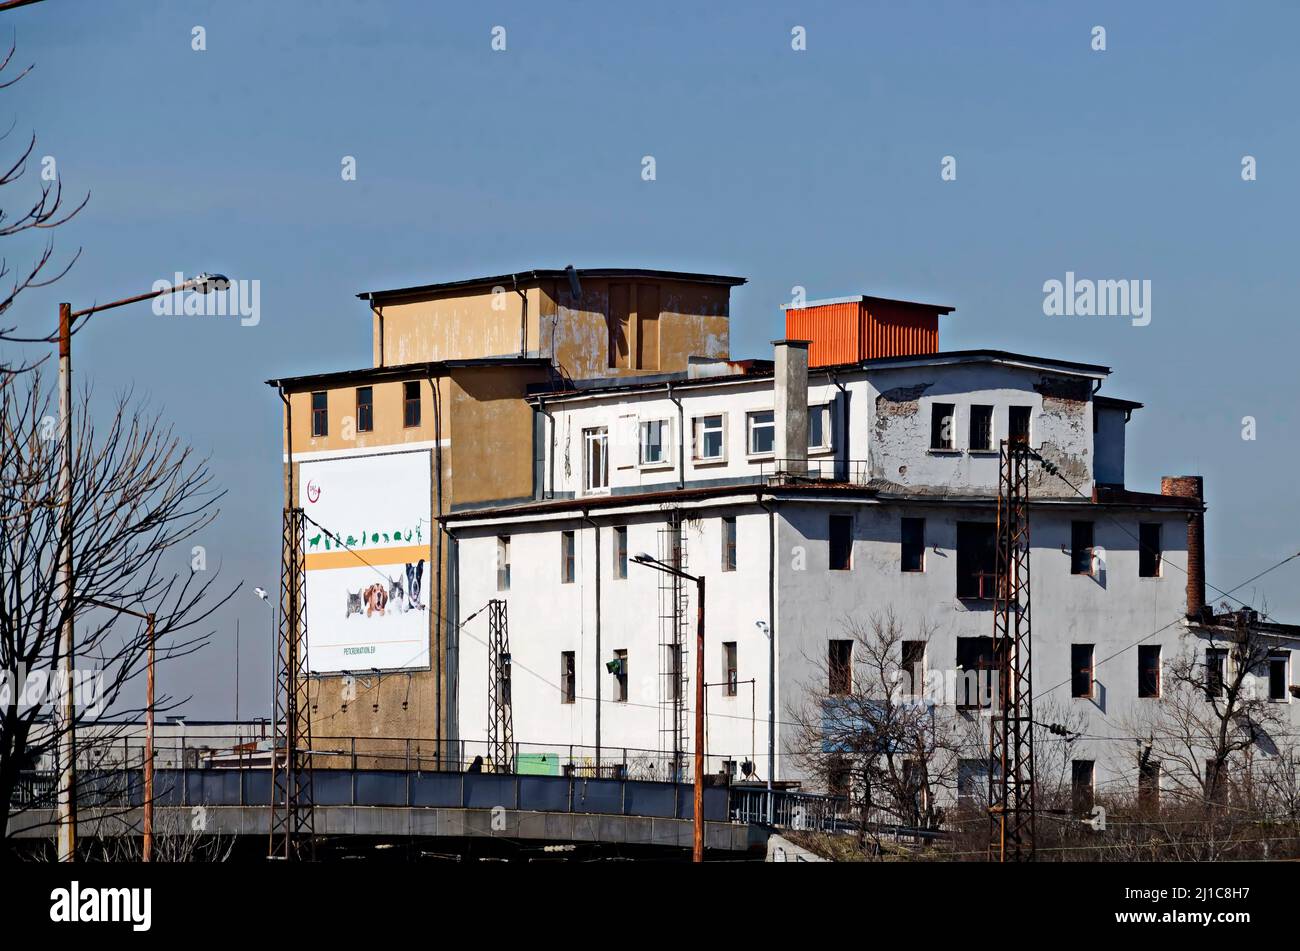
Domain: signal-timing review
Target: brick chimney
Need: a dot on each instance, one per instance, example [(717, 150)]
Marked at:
[(790, 405), (1192, 487)]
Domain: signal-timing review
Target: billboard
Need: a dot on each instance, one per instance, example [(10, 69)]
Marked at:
[(368, 561)]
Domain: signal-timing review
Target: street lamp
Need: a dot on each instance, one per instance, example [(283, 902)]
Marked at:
[(67, 805), (642, 558), (261, 593)]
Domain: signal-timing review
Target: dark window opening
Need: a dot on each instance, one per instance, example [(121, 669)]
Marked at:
[(841, 543), (981, 427), (1279, 670), (1149, 784), (976, 559), (941, 425), (568, 686), (840, 668), (411, 409), (365, 409), (976, 669), (913, 541), (1018, 423), (731, 676), (729, 543), (1148, 670), (566, 557), (1082, 786), (620, 552), (1149, 554), (1216, 670), (1081, 548), (1081, 670), (320, 417), (914, 666), (620, 677)]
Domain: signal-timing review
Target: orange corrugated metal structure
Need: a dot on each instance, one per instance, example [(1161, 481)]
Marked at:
[(852, 329)]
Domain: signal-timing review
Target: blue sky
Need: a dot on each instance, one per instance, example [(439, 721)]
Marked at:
[(818, 168)]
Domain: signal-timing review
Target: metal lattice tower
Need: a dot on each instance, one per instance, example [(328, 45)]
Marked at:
[(1011, 749), (673, 641), (501, 733), (292, 821)]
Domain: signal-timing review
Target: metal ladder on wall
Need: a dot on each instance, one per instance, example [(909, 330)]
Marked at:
[(673, 643)]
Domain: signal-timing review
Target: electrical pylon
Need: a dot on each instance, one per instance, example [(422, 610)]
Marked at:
[(1011, 746), (500, 724)]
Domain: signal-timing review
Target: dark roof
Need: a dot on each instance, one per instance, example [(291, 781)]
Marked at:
[(1116, 403), (550, 274), (405, 370)]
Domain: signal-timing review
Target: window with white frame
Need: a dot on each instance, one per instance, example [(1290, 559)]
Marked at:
[(819, 427), (595, 459), (655, 441), (710, 444), (761, 427)]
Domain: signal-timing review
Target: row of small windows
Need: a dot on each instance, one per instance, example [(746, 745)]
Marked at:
[(365, 412), (618, 667), (981, 432), (976, 552)]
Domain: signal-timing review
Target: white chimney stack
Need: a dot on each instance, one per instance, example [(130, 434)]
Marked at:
[(790, 406)]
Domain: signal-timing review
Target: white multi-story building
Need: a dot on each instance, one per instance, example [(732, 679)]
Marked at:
[(812, 500)]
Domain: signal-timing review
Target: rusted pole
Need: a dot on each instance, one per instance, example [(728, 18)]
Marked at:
[(699, 720), (67, 739), (148, 749)]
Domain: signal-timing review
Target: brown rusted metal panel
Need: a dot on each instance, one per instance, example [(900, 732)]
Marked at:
[(856, 330)]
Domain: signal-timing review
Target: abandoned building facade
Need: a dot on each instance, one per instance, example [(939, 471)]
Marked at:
[(569, 429)]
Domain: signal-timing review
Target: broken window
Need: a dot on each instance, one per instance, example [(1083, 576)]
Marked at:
[(566, 557), (729, 543), (841, 542), (411, 401), (976, 560), (320, 417), (840, 668), (620, 676), (914, 667), (1149, 553), (620, 551), (1081, 670), (730, 674), (913, 545), (568, 682), (1279, 674), (1216, 671), (503, 562), (1082, 773), (976, 669), (1148, 670), (365, 409), (1018, 423), (941, 425), (981, 427), (1081, 548)]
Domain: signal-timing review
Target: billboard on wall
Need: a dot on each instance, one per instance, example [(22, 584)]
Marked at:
[(367, 560)]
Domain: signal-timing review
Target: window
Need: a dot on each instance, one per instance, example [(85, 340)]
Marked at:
[(913, 553), (981, 427), (819, 427), (595, 459), (1081, 548), (729, 543), (1149, 553), (941, 425), (1148, 670), (620, 676), (503, 562), (1279, 674), (976, 666), (655, 435), (840, 668), (411, 403), (675, 667), (914, 666), (620, 552), (1081, 670), (1216, 671), (568, 685), (762, 433), (841, 543), (730, 677), (320, 414), (365, 409), (838, 776), (972, 781), (708, 438), (1082, 785), (566, 557), (1018, 423), (976, 559), (504, 679), (1149, 783)]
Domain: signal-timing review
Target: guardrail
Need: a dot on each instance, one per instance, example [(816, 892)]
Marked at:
[(789, 471)]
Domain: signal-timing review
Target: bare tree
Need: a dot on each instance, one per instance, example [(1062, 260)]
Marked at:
[(42, 212), (139, 496)]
